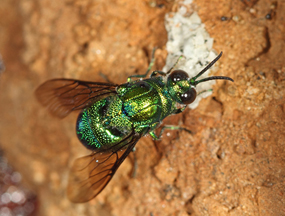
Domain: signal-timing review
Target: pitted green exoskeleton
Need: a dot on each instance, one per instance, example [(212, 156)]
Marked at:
[(114, 117)]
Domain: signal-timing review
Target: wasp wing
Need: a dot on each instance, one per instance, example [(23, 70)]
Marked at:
[(89, 175), (61, 96)]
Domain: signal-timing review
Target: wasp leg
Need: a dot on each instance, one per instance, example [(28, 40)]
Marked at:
[(158, 72), (202, 92), (163, 73), (145, 129), (169, 127), (153, 135), (180, 110), (105, 77), (180, 57), (148, 69), (135, 167)]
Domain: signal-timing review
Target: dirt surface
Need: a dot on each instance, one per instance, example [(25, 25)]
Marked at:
[(232, 163)]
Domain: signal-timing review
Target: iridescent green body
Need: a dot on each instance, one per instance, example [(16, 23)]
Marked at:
[(114, 117), (138, 106)]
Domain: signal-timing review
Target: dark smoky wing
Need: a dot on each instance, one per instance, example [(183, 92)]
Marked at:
[(61, 96), (89, 175)]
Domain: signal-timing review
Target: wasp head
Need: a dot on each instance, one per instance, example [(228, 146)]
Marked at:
[(182, 88)]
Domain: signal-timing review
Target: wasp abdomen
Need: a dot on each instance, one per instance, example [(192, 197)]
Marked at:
[(103, 124)]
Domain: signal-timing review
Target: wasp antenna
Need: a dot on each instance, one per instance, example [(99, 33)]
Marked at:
[(208, 66), (193, 80), (214, 78)]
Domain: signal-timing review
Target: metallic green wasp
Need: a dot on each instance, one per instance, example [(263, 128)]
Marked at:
[(114, 117)]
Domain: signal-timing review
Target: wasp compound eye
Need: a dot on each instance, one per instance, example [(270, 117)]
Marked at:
[(178, 75), (188, 96)]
